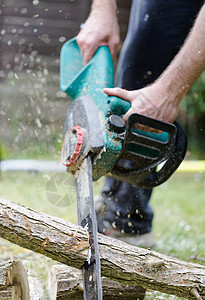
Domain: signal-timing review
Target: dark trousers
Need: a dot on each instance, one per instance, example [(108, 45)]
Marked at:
[(157, 29)]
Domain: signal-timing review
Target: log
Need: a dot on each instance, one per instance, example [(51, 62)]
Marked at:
[(13, 280), (37, 289), (68, 244), (6, 294), (65, 283)]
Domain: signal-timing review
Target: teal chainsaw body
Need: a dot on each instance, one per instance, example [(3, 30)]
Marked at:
[(101, 130)]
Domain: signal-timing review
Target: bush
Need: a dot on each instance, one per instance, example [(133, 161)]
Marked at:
[(192, 117)]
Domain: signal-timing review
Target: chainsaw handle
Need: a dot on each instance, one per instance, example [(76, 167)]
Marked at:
[(172, 163), (144, 152)]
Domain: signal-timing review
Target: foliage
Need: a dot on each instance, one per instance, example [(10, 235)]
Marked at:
[(4, 152), (194, 101), (192, 117)]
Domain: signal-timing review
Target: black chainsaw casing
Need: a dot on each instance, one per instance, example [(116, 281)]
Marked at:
[(141, 169)]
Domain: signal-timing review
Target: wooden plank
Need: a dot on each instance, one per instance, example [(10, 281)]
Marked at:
[(57, 12), (124, 4), (123, 16), (35, 32), (29, 44), (41, 3), (25, 22)]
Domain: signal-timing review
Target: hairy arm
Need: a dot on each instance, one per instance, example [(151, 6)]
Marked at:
[(161, 99), (101, 28)]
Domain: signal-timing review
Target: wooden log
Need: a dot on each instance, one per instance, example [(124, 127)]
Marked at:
[(13, 281), (65, 283), (68, 244), (6, 293), (37, 289)]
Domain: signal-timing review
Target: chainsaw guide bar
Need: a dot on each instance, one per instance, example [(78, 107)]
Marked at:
[(87, 219)]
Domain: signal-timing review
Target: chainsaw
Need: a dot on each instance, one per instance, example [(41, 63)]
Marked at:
[(97, 141)]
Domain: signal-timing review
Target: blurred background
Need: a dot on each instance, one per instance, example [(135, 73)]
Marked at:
[(32, 105)]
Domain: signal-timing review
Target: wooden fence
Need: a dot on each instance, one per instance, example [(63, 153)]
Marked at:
[(42, 26)]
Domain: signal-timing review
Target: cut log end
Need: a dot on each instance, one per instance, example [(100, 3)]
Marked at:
[(13, 280), (65, 283)]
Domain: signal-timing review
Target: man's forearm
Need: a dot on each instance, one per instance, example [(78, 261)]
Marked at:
[(107, 4), (188, 64)]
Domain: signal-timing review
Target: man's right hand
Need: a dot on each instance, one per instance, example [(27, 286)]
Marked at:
[(101, 28)]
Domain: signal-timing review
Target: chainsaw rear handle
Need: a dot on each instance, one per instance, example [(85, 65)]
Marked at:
[(175, 158), (144, 152)]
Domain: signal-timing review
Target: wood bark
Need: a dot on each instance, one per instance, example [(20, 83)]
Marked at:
[(37, 289), (13, 281), (65, 283), (68, 244), (6, 294)]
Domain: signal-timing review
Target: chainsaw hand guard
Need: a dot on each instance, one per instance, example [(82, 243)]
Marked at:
[(146, 153)]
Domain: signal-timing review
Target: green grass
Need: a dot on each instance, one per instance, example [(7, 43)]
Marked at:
[(179, 225), (179, 215)]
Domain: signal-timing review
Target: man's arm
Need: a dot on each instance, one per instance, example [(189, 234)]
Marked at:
[(161, 99), (101, 28)]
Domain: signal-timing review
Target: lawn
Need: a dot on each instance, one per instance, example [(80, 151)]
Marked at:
[(179, 225)]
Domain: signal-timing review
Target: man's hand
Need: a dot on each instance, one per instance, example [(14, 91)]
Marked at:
[(101, 28), (151, 101)]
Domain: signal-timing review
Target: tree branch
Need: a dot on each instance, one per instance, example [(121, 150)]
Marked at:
[(68, 244)]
